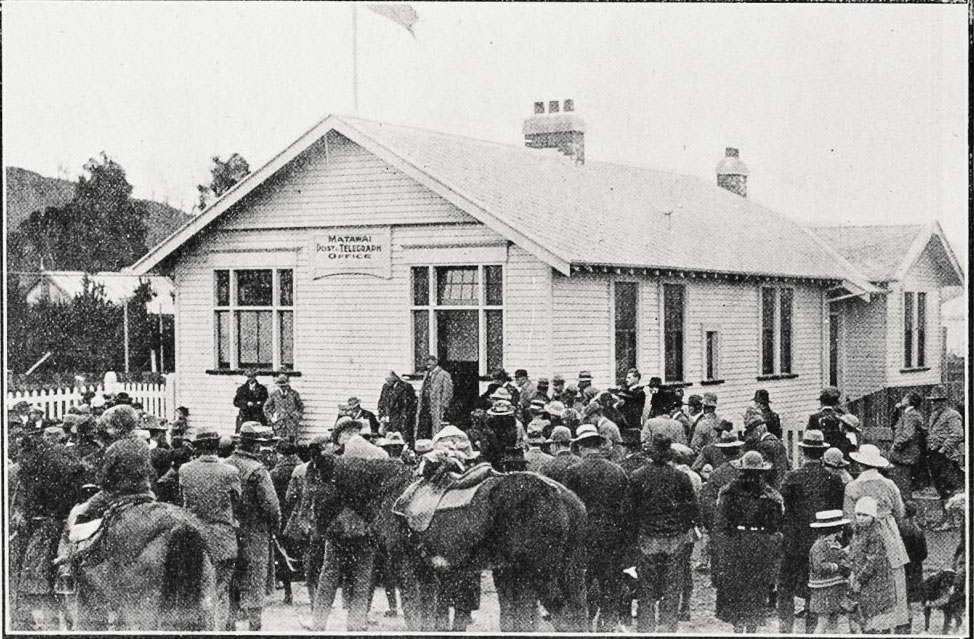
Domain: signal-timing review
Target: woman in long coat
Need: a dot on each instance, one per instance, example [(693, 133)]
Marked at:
[(748, 542)]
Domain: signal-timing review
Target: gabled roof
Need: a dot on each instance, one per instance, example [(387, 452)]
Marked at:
[(885, 253), (119, 287), (599, 213)]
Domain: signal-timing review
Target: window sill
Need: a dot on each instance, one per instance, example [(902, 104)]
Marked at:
[(920, 369), (412, 377), (711, 382), (243, 371), (677, 384), (766, 378)]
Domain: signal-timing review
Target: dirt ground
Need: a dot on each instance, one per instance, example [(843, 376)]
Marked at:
[(279, 618)]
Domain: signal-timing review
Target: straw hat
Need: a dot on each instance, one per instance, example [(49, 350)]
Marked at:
[(813, 439), (587, 432), (829, 519), (869, 455)]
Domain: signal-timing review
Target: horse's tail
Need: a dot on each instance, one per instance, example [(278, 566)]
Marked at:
[(183, 580)]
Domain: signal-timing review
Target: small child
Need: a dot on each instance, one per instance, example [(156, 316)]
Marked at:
[(828, 567)]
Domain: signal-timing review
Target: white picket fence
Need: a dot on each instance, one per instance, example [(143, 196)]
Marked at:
[(156, 399)]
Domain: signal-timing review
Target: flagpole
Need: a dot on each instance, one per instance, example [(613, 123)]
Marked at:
[(355, 58)]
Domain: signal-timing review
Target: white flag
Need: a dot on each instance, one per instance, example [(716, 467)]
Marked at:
[(400, 13)]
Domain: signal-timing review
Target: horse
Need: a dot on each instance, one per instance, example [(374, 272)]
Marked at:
[(151, 568), (526, 529)]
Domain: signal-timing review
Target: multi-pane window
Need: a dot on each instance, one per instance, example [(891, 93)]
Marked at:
[(466, 302), (254, 318), (777, 310), (914, 330), (625, 328), (674, 301)]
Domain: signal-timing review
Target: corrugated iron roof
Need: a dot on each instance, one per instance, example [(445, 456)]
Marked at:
[(878, 251)]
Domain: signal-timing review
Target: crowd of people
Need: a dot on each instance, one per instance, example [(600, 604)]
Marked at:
[(660, 475)]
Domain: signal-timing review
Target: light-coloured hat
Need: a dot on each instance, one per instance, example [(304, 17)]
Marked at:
[(752, 461), (501, 394), (752, 418), (869, 455), (813, 438), (591, 408), (423, 446), (851, 421), (829, 519), (833, 457), (560, 435), (449, 431), (392, 438), (501, 407), (709, 399), (345, 423), (536, 433), (537, 405), (256, 432), (867, 506), (141, 433), (587, 432), (555, 408)]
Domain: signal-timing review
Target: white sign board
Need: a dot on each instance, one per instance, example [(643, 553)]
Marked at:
[(365, 250)]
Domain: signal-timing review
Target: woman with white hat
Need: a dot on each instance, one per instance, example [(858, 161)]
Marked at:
[(889, 510)]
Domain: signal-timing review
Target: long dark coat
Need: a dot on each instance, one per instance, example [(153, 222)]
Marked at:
[(259, 517), (806, 491), (251, 404), (749, 559), (398, 402)]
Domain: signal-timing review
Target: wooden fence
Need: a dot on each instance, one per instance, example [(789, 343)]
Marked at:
[(156, 399)]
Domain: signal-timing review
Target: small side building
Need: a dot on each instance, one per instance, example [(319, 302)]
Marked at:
[(364, 246)]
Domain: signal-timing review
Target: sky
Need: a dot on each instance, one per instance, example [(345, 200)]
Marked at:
[(844, 114)]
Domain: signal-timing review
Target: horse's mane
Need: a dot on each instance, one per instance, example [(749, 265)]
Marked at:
[(366, 480)]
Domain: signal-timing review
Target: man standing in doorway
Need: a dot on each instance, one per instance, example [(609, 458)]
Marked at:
[(434, 398), (284, 409)]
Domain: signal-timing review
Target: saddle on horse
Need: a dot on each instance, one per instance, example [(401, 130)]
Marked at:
[(422, 499)]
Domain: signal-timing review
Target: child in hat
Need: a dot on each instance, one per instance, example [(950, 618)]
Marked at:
[(828, 567), (874, 579)]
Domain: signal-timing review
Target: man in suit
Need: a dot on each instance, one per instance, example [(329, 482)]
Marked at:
[(904, 453), (284, 409), (250, 399), (434, 399), (353, 409), (945, 446), (397, 406)]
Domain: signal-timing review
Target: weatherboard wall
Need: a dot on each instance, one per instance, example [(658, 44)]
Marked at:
[(923, 276)]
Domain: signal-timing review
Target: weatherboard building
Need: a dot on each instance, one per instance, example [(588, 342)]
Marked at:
[(363, 247)]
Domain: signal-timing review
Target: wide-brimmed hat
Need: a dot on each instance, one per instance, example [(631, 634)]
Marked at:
[(867, 506), (571, 389), (560, 435), (761, 395), (501, 407), (123, 398), (833, 457), (869, 455), (537, 405), (709, 399), (655, 382), (555, 408), (558, 379), (449, 430), (813, 438), (851, 421), (501, 394), (683, 452), (256, 432), (752, 461), (829, 519), (208, 435), (588, 433), (585, 375), (938, 392), (343, 424), (728, 439), (501, 375), (392, 438)]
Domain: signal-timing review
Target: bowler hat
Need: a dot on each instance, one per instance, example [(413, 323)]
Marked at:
[(208, 436), (869, 455), (560, 435), (761, 395), (710, 399), (520, 373), (256, 432), (655, 382), (588, 433), (833, 457), (123, 398), (829, 519), (813, 438), (501, 407), (752, 461), (829, 396), (939, 392), (501, 375)]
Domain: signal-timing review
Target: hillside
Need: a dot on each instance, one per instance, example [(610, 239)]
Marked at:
[(28, 192)]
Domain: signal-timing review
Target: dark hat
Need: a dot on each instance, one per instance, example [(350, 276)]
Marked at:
[(250, 373), (583, 375), (829, 396), (153, 423), (560, 435), (542, 382), (659, 445), (938, 392), (558, 379), (813, 439), (631, 437), (281, 379), (520, 373), (353, 402), (123, 398), (753, 418), (752, 461), (501, 375), (392, 438), (694, 400), (256, 432), (761, 395), (343, 424), (725, 425), (208, 436), (655, 382)]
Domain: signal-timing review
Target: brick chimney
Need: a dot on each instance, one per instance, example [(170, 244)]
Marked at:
[(560, 128), (731, 173)]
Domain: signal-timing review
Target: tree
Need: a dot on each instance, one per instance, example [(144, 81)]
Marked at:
[(223, 176), (101, 229)]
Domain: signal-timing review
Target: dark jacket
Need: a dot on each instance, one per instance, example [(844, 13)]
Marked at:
[(660, 501), (398, 402), (633, 406), (499, 444), (367, 416), (828, 422), (773, 451), (772, 420), (281, 477), (559, 465), (915, 542), (723, 474), (251, 403), (805, 491)]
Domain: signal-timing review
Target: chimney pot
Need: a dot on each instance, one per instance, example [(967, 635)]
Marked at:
[(732, 173), (731, 152), (538, 108), (553, 106), (569, 105), (555, 130)]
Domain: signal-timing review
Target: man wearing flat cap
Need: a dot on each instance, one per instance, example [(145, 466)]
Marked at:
[(211, 490), (259, 516), (250, 399), (284, 409)]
